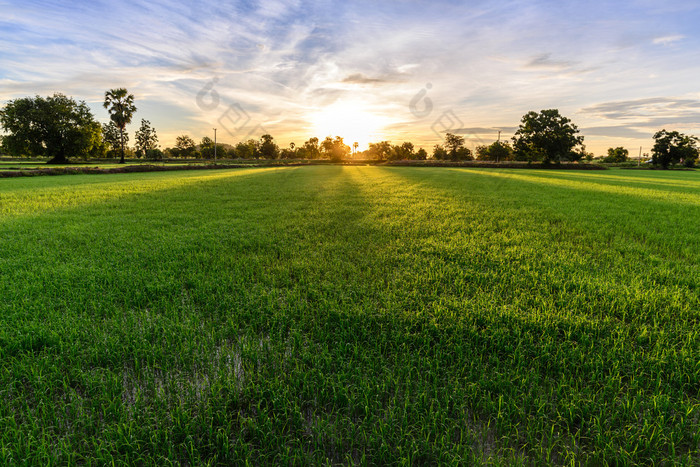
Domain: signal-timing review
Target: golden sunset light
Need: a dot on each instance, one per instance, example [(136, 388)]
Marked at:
[(349, 120)]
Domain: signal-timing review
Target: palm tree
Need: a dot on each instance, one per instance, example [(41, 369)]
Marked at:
[(354, 146), (120, 105)]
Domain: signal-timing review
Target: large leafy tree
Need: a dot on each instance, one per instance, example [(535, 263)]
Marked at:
[(268, 148), (618, 154), (380, 151), (497, 151), (185, 146), (206, 148), (672, 147), (546, 136), (57, 127), (120, 105), (455, 147), (439, 152), (289, 153), (405, 151), (247, 149), (335, 149), (310, 149), (453, 143), (146, 138)]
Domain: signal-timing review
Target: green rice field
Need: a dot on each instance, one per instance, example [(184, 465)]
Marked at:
[(20, 164), (351, 315)]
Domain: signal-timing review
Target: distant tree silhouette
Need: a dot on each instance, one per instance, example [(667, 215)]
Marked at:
[(120, 105), (439, 152), (618, 154), (453, 143), (289, 153), (267, 148), (335, 149), (546, 137), (310, 149), (146, 139), (672, 147), (185, 145), (497, 151), (247, 149), (405, 151), (380, 151), (113, 138)]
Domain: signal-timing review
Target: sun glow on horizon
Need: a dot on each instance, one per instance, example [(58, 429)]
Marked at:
[(349, 120)]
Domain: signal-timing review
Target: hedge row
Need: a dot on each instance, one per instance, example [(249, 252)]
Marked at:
[(30, 172)]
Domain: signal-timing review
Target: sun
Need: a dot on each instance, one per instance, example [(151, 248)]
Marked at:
[(351, 121)]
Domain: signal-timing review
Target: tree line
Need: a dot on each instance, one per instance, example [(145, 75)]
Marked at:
[(58, 127)]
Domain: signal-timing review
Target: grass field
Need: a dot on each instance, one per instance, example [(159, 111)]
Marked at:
[(351, 315), (33, 164), (20, 165)]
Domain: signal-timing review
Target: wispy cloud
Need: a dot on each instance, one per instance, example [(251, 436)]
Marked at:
[(545, 61), (359, 78), (617, 131), (281, 61), (667, 40), (646, 109)]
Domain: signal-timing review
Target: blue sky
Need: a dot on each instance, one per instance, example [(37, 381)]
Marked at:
[(619, 70)]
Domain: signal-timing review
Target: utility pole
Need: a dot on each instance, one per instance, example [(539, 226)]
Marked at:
[(214, 143), (499, 144), (639, 159)]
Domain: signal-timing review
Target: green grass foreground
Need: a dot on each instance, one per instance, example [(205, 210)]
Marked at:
[(350, 314)]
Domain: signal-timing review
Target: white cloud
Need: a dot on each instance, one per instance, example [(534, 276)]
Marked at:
[(668, 40)]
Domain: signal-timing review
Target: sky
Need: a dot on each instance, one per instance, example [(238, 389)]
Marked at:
[(399, 70)]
